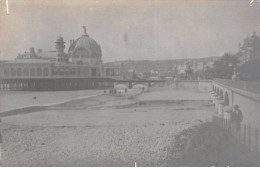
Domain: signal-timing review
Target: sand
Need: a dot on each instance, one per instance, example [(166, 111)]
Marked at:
[(105, 130)]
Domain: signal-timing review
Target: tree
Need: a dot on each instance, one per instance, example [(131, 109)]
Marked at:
[(250, 71), (223, 68)]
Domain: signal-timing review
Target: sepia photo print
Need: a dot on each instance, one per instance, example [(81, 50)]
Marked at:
[(129, 83)]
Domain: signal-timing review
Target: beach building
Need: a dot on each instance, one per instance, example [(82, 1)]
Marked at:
[(81, 68)]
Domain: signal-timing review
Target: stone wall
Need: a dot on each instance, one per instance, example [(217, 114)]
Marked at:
[(203, 85)]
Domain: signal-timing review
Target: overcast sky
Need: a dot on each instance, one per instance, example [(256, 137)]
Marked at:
[(131, 30)]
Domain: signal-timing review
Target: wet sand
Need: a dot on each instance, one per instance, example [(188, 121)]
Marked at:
[(105, 130)]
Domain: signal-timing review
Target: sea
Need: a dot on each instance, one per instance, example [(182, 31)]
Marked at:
[(10, 100)]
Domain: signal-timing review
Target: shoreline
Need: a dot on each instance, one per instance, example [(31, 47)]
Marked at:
[(45, 107)]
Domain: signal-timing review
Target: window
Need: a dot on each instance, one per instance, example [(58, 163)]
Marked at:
[(26, 72), (32, 72), (13, 72), (86, 71), (61, 72), (6, 72), (45, 71), (73, 71), (93, 72), (107, 72), (19, 72), (67, 71), (39, 71)]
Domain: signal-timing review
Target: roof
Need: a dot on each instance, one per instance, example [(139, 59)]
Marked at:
[(87, 43), (117, 64), (29, 61), (48, 54)]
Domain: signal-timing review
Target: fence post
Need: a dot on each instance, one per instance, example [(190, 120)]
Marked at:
[(249, 137), (226, 125), (239, 133), (244, 135), (256, 140), (229, 127)]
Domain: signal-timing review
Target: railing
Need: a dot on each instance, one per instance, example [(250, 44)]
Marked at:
[(253, 87), (244, 134)]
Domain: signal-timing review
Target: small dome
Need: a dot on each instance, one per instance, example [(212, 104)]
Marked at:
[(60, 39)]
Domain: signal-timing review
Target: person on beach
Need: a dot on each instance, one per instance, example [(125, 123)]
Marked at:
[(237, 117)]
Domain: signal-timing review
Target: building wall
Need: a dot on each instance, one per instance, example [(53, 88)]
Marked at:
[(25, 70), (47, 70)]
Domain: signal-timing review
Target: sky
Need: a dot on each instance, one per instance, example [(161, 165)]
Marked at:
[(130, 30)]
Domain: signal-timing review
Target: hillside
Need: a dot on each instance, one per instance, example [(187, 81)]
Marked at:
[(158, 65)]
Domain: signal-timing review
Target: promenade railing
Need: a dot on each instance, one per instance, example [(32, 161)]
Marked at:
[(244, 134)]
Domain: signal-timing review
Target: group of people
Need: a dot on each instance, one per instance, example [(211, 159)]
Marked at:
[(114, 91)]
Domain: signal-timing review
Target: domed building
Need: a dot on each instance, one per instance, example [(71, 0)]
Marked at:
[(80, 68)]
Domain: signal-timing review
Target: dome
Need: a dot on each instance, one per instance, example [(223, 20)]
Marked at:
[(85, 50), (89, 44)]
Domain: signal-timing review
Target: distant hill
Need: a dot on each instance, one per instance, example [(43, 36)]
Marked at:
[(157, 65)]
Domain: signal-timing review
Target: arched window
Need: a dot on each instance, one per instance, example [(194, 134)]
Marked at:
[(39, 71), (61, 72), (26, 72), (6, 72), (13, 72), (19, 72), (73, 71), (32, 72), (45, 71), (66, 71)]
